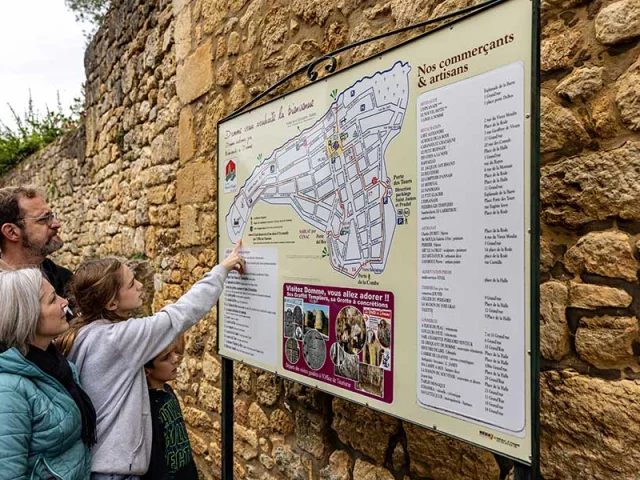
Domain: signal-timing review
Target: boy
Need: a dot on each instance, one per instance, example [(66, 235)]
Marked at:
[(171, 457)]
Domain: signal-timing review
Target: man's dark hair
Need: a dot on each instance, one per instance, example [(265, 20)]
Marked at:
[(9, 208)]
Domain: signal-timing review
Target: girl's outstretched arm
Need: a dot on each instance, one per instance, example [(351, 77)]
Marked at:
[(142, 339)]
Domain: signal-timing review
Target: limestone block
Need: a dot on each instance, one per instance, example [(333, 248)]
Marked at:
[(164, 216), (290, 464), (267, 461), (152, 49), (213, 15), (240, 412), (195, 182), (186, 134), (209, 227), (236, 5), (554, 330), (618, 22), (339, 467), (560, 130), (209, 397), (211, 367), (195, 76), (359, 32), (167, 38), (179, 5), (274, 30), (560, 4), (150, 243), (404, 13), (442, 458), (233, 43), (209, 133), (258, 420), (241, 378), (197, 418), (252, 12), (198, 444), (311, 11), (310, 432), (557, 52), (356, 425), (603, 116), (246, 435), (584, 295), (607, 342), (164, 148), (366, 471), (349, 6), (182, 33), (588, 427), (628, 96), (281, 422), (268, 389), (377, 11), (237, 96), (138, 240), (335, 37), (448, 6), (594, 186), (168, 116), (142, 212), (224, 74), (582, 84), (189, 228), (243, 65), (607, 253), (252, 36)]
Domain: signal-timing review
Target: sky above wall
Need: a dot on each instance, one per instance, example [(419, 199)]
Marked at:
[(42, 50)]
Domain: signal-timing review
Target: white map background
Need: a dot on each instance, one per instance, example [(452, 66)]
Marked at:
[(334, 174)]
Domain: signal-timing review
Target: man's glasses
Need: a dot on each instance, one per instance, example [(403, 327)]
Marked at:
[(46, 219)]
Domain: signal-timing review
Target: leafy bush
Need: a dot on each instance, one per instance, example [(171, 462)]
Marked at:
[(92, 11), (32, 132)]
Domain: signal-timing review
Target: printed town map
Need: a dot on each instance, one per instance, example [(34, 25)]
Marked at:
[(334, 174)]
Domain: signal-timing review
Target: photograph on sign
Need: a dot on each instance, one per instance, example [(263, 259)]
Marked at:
[(341, 326), (384, 215)]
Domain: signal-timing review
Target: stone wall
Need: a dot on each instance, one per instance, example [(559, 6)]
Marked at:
[(140, 183)]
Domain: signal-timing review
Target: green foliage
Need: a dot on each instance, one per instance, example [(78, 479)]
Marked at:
[(32, 132), (92, 11)]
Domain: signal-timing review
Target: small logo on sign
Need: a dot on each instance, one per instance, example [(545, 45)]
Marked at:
[(230, 177)]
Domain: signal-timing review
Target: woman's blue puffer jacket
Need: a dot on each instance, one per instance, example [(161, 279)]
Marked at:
[(40, 424)]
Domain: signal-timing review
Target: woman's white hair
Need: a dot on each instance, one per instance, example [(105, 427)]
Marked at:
[(20, 311)]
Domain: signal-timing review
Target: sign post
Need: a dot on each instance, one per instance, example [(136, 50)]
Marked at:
[(389, 217)]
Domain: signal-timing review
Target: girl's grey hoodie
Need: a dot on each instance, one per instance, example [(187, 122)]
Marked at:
[(110, 358)]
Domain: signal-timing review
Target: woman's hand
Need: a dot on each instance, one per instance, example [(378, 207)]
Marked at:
[(234, 260)]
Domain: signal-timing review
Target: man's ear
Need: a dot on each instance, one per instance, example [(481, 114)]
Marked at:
[(10, 231)]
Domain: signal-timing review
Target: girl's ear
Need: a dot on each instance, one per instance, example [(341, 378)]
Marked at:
[(112, 305)]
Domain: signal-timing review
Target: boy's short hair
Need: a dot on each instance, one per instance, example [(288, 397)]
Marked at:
[(150, 364)]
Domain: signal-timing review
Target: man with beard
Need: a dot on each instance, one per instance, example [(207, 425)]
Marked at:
[(29, 233)]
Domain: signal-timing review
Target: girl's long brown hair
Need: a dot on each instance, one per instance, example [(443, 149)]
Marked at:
[(94, 285)]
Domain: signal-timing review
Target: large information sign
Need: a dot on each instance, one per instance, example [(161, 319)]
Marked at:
[(385, 219)]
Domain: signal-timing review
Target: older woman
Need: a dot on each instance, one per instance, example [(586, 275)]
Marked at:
[(47, 422)]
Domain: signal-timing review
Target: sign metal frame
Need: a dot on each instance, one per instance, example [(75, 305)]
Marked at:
[(523, 470)]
